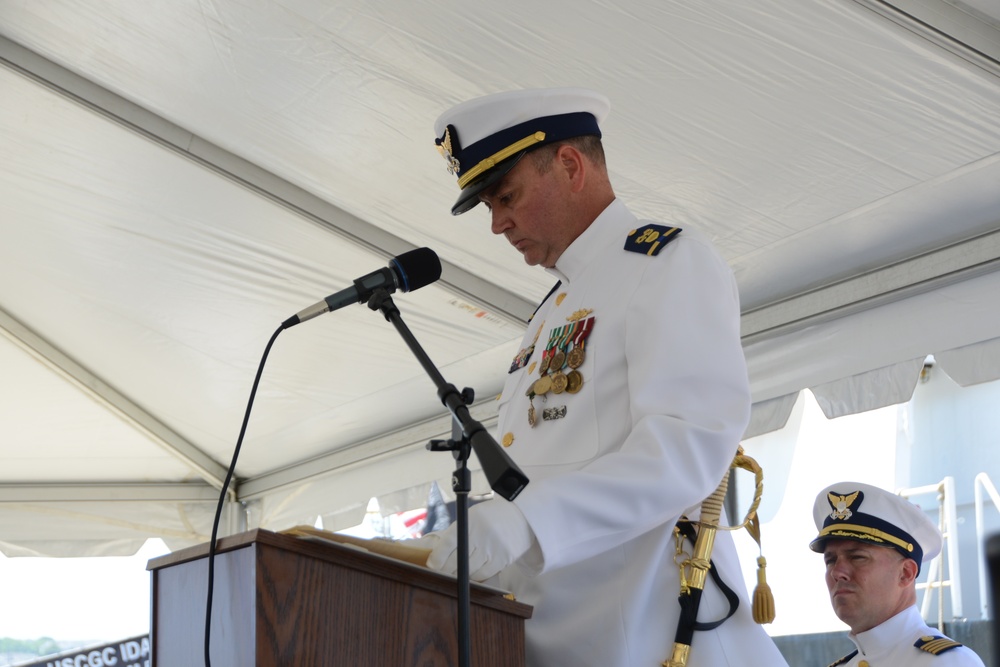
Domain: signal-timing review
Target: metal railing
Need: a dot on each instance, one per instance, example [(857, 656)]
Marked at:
[(948, 523)]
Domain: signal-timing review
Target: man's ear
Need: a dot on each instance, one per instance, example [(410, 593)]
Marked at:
[(908, 575), (573, 165)]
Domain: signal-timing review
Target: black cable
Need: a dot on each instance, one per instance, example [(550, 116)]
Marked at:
[(222, 497)]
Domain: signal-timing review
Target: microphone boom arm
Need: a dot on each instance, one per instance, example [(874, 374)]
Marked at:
[(503, 475)]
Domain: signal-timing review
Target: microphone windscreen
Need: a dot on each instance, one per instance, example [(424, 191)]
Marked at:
[(416, 268)]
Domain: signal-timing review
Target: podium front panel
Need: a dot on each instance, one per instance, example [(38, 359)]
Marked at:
[(286, 601)]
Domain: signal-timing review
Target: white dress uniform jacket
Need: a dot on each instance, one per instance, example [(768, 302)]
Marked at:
[(892, 644), (663, 405)]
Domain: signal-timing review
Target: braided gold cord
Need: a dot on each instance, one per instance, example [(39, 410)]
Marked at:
[(711, 508)]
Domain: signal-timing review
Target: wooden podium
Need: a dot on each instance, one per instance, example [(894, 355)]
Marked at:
[(286, 601)]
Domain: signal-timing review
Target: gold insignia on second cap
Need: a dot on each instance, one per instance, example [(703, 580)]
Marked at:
[(841, 505)]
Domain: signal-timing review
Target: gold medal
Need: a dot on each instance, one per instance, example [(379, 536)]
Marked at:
[(558, 359), (542, 385), (559, 382), (575, 357), (574, 381), (544, 366)]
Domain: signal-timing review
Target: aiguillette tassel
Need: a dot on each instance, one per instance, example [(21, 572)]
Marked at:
[(763, 600)]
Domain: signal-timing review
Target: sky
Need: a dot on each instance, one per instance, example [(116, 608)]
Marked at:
[(88, 600)]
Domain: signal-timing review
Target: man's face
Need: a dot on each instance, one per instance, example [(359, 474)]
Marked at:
[(868, 584), (529, 209)]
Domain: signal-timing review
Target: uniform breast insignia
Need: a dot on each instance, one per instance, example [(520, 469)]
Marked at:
[(650, 239), (844, 660), (549, 414), (935, 645), (522, 357)]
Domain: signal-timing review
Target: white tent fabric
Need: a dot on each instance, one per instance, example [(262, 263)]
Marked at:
[(972, 364), (179, 177)]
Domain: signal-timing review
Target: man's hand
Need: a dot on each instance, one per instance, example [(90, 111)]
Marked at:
[(498, 536)]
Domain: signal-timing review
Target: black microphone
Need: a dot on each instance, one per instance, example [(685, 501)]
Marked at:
[(411, 270)]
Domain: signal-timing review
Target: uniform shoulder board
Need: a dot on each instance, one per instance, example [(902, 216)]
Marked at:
[(650, 239), (846, 658), (935, 645)]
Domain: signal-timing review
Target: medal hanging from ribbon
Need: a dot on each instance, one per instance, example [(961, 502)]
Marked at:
[(543, 384), (558, 363), (576, 356)]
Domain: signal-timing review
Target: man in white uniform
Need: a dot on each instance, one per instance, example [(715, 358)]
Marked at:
[(624, 403), (873, 543)]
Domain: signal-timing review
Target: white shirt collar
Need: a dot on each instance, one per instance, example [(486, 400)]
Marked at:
[(579, 256), (885, 637)]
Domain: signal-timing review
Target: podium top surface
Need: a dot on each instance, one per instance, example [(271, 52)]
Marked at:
[(350, 557)]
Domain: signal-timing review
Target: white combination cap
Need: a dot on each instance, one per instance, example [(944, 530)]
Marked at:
[(866, 513), (482, 139)]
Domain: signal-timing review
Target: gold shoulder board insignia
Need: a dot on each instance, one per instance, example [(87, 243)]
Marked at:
[(846, 658), (650, 239), (935, 645)]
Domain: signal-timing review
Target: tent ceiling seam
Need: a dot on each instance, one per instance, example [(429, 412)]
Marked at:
[(503, 303), (987, 60), (961, 261), (344, 459), (113, 400), (104, 492)]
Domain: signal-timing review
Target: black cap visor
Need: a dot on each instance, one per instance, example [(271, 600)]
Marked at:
[(469, 196)]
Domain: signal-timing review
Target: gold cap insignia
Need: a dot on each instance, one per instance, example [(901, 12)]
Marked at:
[(444, 147), (841, 505)]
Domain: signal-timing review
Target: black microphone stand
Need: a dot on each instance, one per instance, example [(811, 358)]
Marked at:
[(505, 478)]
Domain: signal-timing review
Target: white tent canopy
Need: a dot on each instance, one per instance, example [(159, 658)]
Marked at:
[(180, 177)]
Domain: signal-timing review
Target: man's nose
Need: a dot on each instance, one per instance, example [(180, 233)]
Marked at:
[(838, 569), (499, 222)]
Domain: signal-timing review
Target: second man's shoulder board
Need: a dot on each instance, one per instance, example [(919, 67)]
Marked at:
[(935, 645), (845, 659)]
